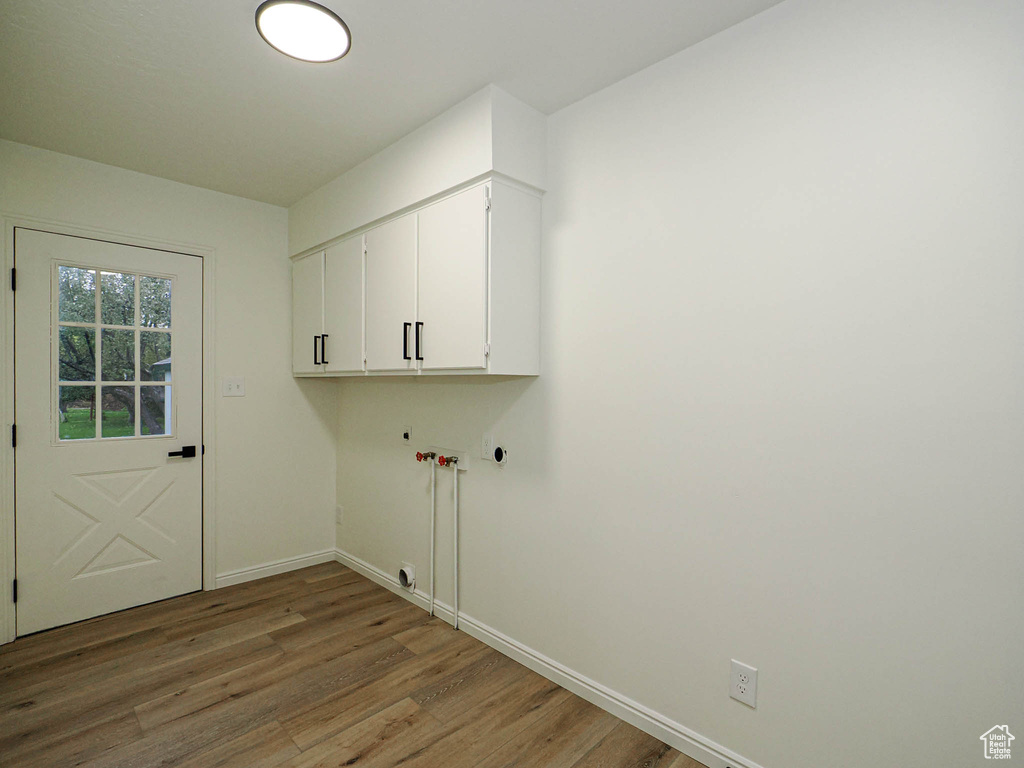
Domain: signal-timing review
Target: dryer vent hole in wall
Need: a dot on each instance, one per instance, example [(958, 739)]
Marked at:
[(491, 451), (407, 577)]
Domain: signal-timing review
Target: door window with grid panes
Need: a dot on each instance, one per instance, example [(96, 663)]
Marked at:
[(112, 356)]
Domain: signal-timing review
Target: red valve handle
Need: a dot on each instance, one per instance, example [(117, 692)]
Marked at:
[(419, 456), (442, 460)]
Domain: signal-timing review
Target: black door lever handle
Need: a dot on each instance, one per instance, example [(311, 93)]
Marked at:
[(186, 452)]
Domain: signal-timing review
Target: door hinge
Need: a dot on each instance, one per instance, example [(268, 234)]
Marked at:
[(14, 590), (487, 350), (14, 435), (14, 279), (487, 201)]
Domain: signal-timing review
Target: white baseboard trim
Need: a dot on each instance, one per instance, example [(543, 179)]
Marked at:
[(386, 580), (674, 734), (687, 741), (273, 568)]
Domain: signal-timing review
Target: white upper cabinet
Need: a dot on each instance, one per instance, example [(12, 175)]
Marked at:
[(391, 295), (432, 264), (327, 310), (307, 312), (451, 324), (342, 347), (513, 281), (453, 287)]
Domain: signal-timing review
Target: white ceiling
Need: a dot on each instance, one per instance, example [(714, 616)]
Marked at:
[(187, 90)]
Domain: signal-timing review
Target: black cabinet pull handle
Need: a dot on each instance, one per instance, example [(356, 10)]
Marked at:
[(315, 349), (419, 335), (405, 341), (323, 349), (186, 452)]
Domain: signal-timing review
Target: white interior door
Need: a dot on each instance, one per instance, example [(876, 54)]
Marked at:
[(105, 517), (391, 295), (307, 313), (343, 306), (452, 268)]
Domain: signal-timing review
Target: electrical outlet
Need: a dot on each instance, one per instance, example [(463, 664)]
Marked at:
[(406, 434), (339, 514), (485, 447), (743, 683)]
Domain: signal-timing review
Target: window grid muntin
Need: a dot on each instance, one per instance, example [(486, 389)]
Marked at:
[(98, 327)]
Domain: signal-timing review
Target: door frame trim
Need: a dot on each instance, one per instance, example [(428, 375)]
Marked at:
[(7, 499)]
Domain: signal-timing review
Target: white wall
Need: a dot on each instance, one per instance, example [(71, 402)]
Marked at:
[(780, 416), (274, 447)]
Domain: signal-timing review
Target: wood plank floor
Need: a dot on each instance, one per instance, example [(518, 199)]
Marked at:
[(318, 667)]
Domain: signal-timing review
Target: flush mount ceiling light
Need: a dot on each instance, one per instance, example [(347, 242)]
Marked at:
[(303, 30)]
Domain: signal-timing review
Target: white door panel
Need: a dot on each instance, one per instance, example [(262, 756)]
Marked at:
[(343, 306), (391, 295), (307, 313), (105, 519), (452, 298)]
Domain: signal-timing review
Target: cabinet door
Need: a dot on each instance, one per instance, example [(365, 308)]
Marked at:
[(391, 295), (342, 350), (307, 312), (453, 282)]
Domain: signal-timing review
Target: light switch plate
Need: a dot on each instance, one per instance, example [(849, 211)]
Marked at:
[(232, 386)]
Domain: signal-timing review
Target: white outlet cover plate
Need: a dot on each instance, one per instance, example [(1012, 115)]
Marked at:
[(485, 447), (743, 683), (232, 386)]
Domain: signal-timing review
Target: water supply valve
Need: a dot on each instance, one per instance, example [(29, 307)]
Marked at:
[(425, 455)]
